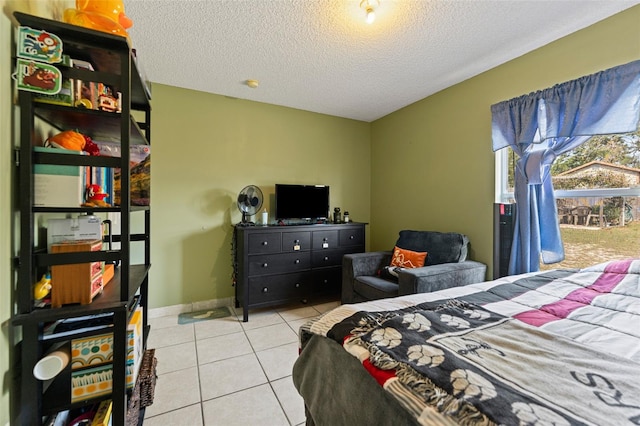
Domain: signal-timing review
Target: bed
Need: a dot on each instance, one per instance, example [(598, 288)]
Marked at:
[(560, 347)]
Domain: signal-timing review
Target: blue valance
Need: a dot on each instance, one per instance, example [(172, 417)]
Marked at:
[(603, 103)]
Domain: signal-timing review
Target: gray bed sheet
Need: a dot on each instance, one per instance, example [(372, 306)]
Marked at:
[(328, 378)]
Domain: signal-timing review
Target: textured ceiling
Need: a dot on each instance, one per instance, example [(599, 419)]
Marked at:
[(321, 55)]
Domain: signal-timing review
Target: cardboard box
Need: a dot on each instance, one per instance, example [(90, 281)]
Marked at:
[(80, 228), (77, 282)]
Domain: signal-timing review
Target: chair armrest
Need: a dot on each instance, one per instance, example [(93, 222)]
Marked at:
[(359, 264), (438, 277)]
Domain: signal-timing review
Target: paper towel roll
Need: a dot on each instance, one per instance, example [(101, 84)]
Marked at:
[(51, 364)]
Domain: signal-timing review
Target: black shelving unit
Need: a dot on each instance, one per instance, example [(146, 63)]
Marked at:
[(115, 65)]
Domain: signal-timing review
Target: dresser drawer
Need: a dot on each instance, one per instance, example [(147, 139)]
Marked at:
[(327, 281), (279, 287), (296, 241), (279, 263), (324, 258), (267, 242), (351, 237), (324, 240)]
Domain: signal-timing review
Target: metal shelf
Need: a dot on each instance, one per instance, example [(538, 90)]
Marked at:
[(115, 64), (99, 125), (95, 46)]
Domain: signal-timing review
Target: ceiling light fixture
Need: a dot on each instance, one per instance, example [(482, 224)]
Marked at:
[(252, 83), (369, 7)]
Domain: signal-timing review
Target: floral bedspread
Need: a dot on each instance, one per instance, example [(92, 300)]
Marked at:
[(560, 347)]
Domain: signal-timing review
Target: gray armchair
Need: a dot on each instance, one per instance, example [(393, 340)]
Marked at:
[(446, 266)]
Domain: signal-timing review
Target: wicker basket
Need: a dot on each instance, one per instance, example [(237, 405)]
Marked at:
[(142, 394), (147, 377), (133, 406)]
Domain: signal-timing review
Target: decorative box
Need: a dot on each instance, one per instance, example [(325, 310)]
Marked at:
[(77, 282), (91, 382), (91, 360)]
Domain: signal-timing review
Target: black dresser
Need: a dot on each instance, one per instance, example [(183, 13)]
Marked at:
[(280, 264)]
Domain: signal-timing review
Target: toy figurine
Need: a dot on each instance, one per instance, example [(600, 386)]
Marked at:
[(94, 197), (102, 15), (42, 288)]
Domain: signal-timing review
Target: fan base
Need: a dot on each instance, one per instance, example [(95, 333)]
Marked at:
[(246, 224)]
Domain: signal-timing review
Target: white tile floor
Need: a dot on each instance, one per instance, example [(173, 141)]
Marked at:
[(226, 372)]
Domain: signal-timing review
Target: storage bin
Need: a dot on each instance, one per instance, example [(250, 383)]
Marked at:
[(91, 360)]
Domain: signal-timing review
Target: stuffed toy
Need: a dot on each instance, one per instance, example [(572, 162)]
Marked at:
[(102, 15)]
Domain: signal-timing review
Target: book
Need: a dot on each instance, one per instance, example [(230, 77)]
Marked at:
[(103, 415)]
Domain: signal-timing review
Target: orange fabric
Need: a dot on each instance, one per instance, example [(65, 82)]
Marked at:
[(407, 258)]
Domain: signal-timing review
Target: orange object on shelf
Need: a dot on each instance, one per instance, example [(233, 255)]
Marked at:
[(102, 15)]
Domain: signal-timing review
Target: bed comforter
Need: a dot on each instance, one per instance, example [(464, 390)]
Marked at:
[(560, 347)]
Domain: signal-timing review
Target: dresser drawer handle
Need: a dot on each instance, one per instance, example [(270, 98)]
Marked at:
[(265, 289), (326, 258), (264, 265), (265, 243), (297, 285), (326, 281), (296, 241), (297, 261), (351, 237)]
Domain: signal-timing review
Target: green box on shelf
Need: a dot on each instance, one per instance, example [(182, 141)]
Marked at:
[(63, 97), (57, 185)]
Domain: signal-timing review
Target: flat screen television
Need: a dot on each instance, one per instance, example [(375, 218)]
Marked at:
[(302, 201)]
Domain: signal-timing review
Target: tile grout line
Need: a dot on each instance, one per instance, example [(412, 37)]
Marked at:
[(255, 353)]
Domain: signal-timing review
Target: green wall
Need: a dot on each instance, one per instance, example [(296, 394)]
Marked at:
[(431, 163), (205, 149), (6, 278)]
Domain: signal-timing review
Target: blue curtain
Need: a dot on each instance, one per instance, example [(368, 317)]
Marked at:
[(541, 126)]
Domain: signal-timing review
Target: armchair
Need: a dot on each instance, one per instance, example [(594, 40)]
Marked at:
[(446, 266)]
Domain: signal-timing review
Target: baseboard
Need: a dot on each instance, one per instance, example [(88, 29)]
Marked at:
[(165, 311)]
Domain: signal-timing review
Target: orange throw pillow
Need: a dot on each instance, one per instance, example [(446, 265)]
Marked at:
[(407, 258)]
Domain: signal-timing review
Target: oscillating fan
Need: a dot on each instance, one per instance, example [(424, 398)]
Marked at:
[(249, 203)]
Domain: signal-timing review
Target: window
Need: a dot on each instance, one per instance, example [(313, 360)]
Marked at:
[(597, 190)]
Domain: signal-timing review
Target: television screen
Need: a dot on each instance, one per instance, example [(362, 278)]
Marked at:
[(302, 201)]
